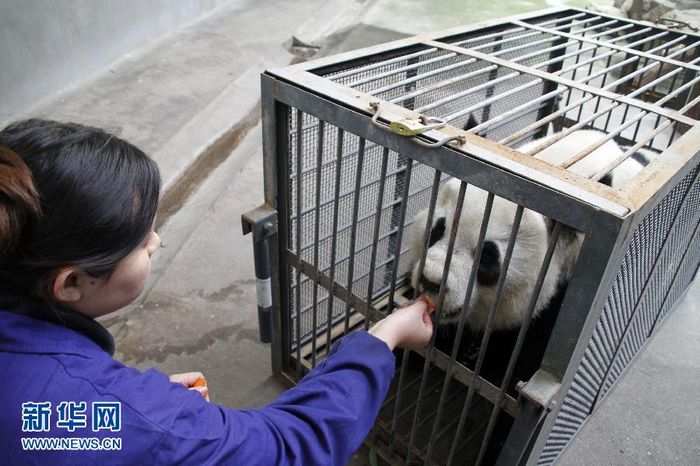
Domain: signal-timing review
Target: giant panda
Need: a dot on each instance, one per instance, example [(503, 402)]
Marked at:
[(526, 260), (528, 254)]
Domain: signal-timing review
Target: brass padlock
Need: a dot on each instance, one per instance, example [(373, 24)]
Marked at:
[(407, 127)]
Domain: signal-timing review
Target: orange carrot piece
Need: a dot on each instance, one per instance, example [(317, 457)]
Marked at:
[(429, 302)]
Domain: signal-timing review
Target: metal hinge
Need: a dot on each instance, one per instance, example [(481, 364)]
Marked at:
[(541, 389), (261, 221)]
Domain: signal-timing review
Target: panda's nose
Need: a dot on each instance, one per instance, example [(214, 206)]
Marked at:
[(428, 285)]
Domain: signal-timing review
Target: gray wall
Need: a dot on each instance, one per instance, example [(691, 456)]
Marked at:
[(49, 45)]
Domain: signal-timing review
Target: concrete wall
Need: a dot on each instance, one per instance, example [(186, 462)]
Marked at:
[(48, 45)]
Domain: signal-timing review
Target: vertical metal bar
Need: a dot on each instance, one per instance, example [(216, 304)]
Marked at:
[(275, 155), (334, 238), (590, 70), (607, 119), (353, 232), (573, 75), (600, 242), (299, 166), (605, 77), (421, 266), (375, 236), (673, 83), (402, 176), (580, 310), (549, 85), (263, 281), (399, 234), (674, 127), (486, 112), (438, 314), (461, 324), (520, 340), (400, 210), (487, 331), (410, 103), (373, 255), (317, 226), (639, 123), (524, 430), (689, 74)]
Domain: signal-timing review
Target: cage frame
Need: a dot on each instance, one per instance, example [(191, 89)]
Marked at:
[(606, 216)]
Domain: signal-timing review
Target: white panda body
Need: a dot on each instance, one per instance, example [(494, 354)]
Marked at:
[(594, 162)]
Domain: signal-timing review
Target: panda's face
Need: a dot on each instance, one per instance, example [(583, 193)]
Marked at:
[(526, 259)]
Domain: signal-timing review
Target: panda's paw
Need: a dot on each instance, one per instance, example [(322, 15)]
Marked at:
[(470, 352)]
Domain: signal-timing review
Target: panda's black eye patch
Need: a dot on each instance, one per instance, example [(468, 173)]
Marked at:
[(489, 265), (437, 232)]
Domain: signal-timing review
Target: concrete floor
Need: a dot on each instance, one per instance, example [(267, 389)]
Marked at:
[(175, 97), (651, 416)]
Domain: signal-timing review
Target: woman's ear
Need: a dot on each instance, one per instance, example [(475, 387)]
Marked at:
[(67, 285)]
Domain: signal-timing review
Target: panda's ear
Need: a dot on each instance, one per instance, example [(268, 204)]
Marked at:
[(437, 232), (449, 192), (489, 265), (471, 122)]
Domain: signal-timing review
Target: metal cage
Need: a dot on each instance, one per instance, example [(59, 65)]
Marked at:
[(351, 155)]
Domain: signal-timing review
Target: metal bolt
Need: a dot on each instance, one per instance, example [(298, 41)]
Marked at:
[(266, 228)]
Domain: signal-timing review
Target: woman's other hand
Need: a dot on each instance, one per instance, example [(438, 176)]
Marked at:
[(192, 381)]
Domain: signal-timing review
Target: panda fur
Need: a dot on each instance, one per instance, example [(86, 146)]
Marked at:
[(528, 253), (578, 140), (555, 154), (527, 257)]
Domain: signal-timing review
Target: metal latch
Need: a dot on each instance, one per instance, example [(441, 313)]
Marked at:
[(262, 222), (541, 389), (412, 128), (408, 127)]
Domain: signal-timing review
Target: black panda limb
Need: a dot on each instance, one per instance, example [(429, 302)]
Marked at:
[(502, 343)]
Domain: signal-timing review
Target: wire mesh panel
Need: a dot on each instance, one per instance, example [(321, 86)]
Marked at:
[(536, 177), (660, 261), (345, 198)]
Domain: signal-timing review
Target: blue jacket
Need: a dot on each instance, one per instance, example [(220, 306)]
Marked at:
[(322, 420)]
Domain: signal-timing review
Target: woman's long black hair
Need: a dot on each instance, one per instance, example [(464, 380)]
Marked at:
[(94, 200)]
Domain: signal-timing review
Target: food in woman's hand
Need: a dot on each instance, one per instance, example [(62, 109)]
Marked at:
[(429, 302)]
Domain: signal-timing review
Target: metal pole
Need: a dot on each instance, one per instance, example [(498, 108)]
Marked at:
[(263, 288)]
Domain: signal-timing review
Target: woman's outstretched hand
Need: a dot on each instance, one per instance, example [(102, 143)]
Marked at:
[(407, 327), (192, 381)]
